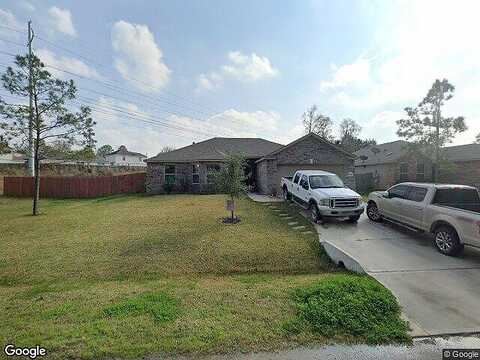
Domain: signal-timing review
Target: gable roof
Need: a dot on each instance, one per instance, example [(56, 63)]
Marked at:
[(316, 137), (122, 150), (382, 153), (217, 149)]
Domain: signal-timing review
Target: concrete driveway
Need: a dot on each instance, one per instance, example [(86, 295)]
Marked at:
[(439, 294)]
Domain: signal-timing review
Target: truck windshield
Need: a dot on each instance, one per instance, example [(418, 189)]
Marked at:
[(325, 181)]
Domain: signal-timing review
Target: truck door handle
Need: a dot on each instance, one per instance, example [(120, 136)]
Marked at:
[(418, 207)]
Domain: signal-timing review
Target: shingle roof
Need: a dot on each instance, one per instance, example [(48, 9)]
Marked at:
[(218, 148), (393, 151), (381, 153), (122, 150), (315, 136), (462, 152)]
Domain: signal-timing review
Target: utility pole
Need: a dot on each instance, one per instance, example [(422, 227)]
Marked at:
[(31, 164)]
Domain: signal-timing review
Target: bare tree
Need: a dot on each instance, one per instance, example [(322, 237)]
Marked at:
[(350, 136), (167, 148), (317, 123)]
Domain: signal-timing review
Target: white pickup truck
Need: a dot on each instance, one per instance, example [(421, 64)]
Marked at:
[(324, 194), (450, 212)]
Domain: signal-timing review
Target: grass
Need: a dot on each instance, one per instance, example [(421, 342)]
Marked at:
[(131, 276), (146, 237), (349, 305)]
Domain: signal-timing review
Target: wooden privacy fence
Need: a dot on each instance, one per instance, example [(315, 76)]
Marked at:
[(75, 186)]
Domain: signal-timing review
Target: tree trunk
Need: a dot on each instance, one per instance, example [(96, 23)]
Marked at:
[(233, 207), (437, 144), (36, 189)]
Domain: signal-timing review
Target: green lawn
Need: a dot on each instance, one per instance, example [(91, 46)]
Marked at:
[(135, 275)]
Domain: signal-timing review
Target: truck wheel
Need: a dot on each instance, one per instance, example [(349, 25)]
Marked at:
[(353, 219), (373, 213), (447, 242), (314, 213), (286, 195)]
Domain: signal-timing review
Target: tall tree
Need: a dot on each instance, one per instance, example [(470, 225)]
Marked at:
[(52, 118), (104, 150), (425, 126), (350, 136), (316, 123)]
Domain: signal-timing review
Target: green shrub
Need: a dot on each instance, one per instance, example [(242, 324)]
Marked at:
[(168, 187), (159, 306), (350, 305)]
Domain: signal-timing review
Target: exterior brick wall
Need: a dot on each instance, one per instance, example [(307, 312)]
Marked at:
[(155, 180), (387, 175), (463, 173)]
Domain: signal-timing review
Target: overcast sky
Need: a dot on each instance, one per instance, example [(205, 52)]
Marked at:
[(171, 72)]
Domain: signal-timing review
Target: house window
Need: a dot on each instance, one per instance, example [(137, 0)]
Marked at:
[(195, 174), (420, 172), (169, 174), (403, 172), (211, 171)]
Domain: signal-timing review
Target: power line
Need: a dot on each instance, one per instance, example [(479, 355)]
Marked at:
[(117, 98), (108, 67), (142, 95), (186, 100), (111, 86), (11, 42), (139, 115)]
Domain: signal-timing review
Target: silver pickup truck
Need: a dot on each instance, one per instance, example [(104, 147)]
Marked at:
[(450, 212)]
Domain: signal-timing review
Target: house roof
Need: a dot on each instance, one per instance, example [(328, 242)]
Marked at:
[(381, 153), (122, 150), (303, 138), (465, 152), (217, 149), (393, 151)]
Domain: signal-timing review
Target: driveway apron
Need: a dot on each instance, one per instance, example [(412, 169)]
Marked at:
[(439, 294)]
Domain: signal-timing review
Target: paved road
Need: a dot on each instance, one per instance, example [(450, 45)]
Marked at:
[(425, 349), (439, 294)]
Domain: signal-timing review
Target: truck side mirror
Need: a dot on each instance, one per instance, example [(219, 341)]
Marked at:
[(305, 186), (386, 194)]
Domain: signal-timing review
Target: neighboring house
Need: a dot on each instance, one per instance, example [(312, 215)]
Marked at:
[(383, 165), (13, 158), (192, 168), (466, 165), (124, 157)]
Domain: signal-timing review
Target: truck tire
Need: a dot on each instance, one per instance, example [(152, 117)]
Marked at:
[(373, 213), (314, 213), (286, 195), (446, 240)]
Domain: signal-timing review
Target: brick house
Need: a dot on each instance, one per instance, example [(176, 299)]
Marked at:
[(383, 165), (191, 168)]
